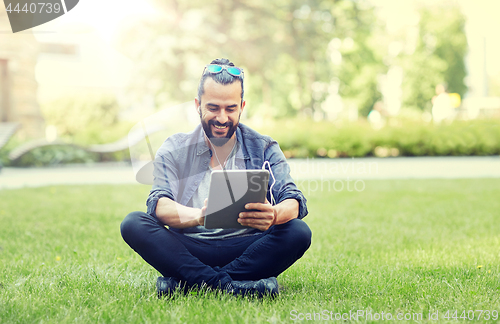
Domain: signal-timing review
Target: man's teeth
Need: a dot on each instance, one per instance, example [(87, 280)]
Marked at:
[(220, 127)]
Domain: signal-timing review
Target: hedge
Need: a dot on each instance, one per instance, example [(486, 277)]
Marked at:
[(305, 138), (402, 138)]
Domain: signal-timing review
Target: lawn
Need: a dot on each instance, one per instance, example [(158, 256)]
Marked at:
[(405, 247)]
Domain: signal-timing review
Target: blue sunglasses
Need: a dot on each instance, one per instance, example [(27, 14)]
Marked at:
[(216, 68)]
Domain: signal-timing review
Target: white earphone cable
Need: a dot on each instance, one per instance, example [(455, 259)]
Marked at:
[(274, 180)]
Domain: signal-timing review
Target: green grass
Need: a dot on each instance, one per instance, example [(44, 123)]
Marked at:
[(413, 246)]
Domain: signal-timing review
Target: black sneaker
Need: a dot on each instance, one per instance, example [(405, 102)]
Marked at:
[(259, 288), (165, 286)]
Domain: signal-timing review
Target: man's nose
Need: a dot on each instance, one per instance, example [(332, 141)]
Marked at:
[(222, 117)]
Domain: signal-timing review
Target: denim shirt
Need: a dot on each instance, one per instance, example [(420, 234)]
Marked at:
[(183, 159)]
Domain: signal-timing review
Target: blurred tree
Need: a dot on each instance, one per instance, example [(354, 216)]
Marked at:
[(361, 62), (285, 47), (438, 57)]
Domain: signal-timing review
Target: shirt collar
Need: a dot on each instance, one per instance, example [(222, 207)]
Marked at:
[(242, 151), (201, 145)]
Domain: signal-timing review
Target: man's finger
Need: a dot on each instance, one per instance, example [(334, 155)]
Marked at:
[(262, 227), (254, 222), (255, 215), (258, 206)]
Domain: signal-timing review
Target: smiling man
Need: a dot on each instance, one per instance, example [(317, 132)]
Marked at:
[(171, 236)]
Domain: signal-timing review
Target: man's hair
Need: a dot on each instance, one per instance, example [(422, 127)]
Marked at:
[(223, 77)]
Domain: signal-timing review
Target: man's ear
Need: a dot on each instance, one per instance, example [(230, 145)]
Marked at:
[(242, 105), (197, 105)]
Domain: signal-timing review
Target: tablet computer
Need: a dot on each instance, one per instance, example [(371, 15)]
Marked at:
[(230, 191)]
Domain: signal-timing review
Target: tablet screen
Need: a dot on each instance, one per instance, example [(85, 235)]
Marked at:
[(229, 192)]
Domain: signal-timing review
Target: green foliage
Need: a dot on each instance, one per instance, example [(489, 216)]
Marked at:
[(397, 246), (438, 57), (361, 62), (56, 154), (458, 138), (284, 47), (295, 53), (422, 73), (304, 138), (81, 121), (447, 26), (13, 142), (86, 119)]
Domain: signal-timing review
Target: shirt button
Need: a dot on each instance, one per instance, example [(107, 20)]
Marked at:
[(196, 183)]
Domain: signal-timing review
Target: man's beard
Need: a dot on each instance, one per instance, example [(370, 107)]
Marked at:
[(218, 141)]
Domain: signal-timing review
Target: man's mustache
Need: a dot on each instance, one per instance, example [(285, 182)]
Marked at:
[(216, 123)]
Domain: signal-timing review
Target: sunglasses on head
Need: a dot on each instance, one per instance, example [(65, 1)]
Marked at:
[(216, 68)]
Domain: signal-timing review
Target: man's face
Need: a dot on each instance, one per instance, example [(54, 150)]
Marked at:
[(221, 108)]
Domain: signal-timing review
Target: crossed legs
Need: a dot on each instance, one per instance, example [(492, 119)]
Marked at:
[(215, 262)]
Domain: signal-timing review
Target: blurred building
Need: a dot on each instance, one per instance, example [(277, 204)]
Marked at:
[(18, 86), (68, 56)]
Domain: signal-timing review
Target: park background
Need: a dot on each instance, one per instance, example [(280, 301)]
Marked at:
[(312, 68), (418, 236)]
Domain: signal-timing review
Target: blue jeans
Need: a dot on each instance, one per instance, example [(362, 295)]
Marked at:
[(215, 262)]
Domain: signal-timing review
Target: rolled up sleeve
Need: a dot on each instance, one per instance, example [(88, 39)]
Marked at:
[(165, 180), (285, 187)]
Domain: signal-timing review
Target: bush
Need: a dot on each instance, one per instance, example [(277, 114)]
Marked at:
[(60, 154), (82, 120), (86, 119), (55, 154), (305, 138)]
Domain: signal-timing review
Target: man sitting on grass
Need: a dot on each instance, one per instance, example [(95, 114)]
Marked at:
[(238, 261)]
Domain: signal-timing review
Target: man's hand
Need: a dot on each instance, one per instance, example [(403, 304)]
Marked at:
[(178, 216), (263, 216), (201, 220)]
